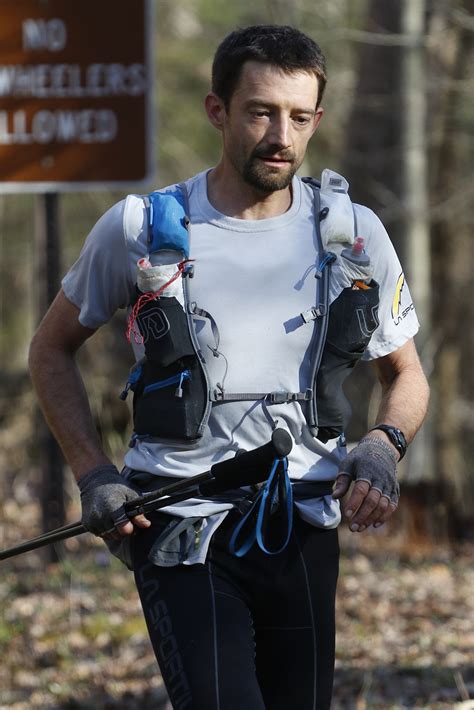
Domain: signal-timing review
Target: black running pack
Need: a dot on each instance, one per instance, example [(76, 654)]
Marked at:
[(173, 395)]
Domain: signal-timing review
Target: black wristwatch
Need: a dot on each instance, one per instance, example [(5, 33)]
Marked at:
[(396, 436)]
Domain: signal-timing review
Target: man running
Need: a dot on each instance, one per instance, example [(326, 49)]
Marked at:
[(249, 630)]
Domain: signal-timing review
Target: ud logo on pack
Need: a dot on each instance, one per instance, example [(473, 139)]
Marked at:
[(153, 324)]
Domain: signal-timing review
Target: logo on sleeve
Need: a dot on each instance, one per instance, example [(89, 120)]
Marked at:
[(397, 314)]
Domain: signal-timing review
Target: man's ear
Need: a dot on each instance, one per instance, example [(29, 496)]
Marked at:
[(215, 110)]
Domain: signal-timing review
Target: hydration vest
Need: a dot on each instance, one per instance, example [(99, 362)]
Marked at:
[(173, 394)]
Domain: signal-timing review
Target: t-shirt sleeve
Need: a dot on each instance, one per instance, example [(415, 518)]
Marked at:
[(398, 321), (99, 282)]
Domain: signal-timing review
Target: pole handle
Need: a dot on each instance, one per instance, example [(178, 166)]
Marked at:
[(249, 467)]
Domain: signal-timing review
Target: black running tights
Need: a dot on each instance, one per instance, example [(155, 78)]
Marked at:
[(249, 633)]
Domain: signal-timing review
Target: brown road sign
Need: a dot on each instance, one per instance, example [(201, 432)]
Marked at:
[(76, 86)]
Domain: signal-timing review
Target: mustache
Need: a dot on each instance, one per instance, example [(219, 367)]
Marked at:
[(271, 150)]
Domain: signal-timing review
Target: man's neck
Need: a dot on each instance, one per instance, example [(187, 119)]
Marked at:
[(235, 198)]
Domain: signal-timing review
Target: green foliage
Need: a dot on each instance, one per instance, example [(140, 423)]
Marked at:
[(10, 630)]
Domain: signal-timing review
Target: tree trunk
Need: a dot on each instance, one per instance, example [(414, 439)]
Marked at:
[(415, 254), (372, 162), (372, 158)]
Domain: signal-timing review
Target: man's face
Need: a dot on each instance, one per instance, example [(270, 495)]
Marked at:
[(270, 119)]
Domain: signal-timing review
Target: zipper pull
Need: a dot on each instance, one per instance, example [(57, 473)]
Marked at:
[(328, 258), (179, 389), (124, 393), (133, 441), (133, 377)]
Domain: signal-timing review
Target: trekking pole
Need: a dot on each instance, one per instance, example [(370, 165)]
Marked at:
[(248, 468)]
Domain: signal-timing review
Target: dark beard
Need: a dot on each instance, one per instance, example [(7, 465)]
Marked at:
[(262, 176)]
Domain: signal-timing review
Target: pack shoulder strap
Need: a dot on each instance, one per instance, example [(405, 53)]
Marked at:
[(322, 309)]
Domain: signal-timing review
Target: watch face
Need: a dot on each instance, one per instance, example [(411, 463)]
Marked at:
[(396, 436), (400, 438)]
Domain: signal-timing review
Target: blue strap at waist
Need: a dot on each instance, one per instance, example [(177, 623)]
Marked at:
[(275, 496)]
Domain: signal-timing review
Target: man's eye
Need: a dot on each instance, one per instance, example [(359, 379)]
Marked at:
[(301, 120), (259, 114)]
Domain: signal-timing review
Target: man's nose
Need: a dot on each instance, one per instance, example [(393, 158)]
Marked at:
[(280, 132)]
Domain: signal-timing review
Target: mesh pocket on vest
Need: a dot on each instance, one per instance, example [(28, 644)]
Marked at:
[(352, 320)]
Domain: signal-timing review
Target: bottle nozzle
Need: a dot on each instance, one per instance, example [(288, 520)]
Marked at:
[(358, 246), (356, 254), (144, 263)]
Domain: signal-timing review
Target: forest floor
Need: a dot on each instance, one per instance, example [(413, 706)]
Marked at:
[(72, 634)]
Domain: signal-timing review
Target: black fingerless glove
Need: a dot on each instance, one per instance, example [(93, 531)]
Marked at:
[(103, 494), (374, 461)]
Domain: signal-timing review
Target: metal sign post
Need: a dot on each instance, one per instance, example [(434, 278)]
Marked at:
[(48, 271)]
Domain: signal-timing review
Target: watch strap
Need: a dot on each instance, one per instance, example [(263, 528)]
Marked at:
[(396, 436)]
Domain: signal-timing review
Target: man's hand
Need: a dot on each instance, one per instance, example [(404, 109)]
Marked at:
[(372, 464), (103, 494)]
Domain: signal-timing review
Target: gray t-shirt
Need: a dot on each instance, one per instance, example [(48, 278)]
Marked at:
[(255, 277)]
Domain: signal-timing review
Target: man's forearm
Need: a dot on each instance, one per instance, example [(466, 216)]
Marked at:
[(372, 466), (64, 403), (404, 403), (405, 392)]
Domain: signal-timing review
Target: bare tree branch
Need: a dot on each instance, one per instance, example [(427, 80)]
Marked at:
[(378, 38)]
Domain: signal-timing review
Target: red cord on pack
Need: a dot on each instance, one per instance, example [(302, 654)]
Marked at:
[(146, 298)]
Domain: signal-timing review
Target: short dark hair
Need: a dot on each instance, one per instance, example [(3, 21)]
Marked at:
[(281, 45)]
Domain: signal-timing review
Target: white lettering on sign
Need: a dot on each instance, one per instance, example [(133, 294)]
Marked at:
[(44, 34), (86, 126), (72, 80)]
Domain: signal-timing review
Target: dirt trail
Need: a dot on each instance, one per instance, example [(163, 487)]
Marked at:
[(72, 635)]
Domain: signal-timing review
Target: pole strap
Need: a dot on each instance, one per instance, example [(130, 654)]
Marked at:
[(274, 499)]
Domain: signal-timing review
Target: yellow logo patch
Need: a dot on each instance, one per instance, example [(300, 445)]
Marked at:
[(397, 296)]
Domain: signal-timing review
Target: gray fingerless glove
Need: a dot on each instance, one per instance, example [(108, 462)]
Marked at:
[(374, 461), (103, 494)]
